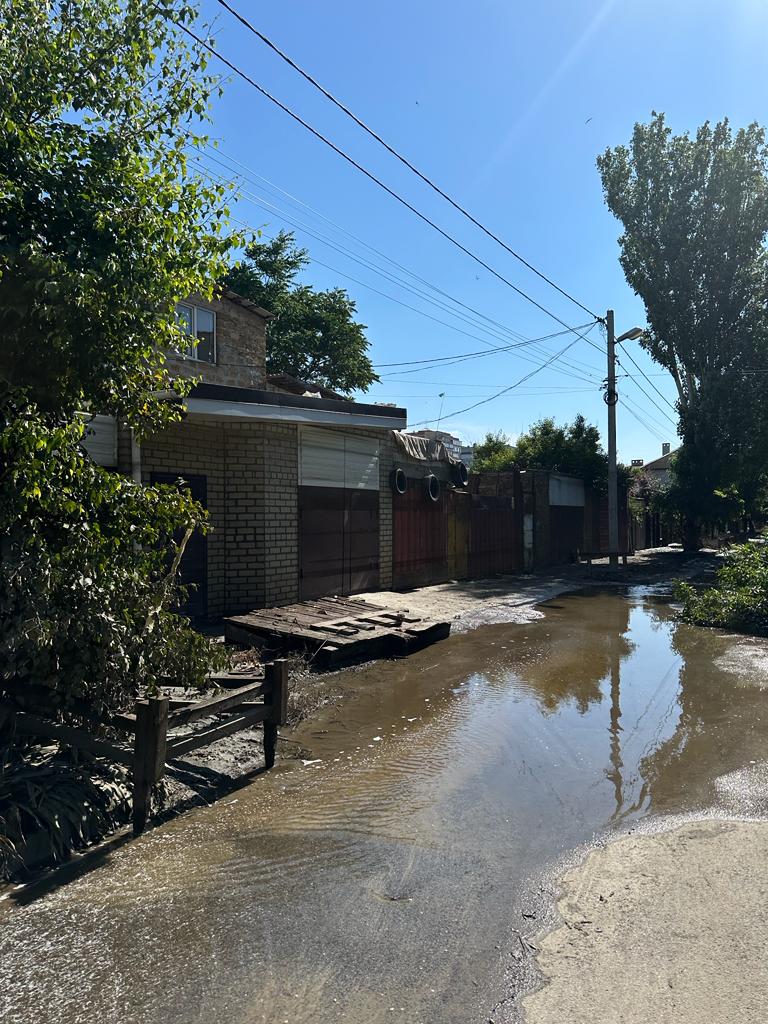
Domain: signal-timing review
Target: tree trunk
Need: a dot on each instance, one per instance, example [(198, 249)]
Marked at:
[(691, 534)]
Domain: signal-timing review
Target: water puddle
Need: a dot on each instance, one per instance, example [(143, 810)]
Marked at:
[(380, 879)]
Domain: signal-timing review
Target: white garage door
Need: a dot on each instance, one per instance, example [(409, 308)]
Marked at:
[(330, 458)]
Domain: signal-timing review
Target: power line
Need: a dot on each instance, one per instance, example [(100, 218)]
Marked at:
[(482, 352), (654, 403), (372, 177), (572, 370), (259, 201), (486, 387), (631, 358), (503, 391), (651, 430), (389, 259), (390, 149), (251, 174)]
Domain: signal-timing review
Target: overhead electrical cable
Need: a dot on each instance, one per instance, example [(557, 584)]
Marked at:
[(481, 352), (398, 156), (506, 390), (650, 398), (571, 371), (579, 366), (296, 201), (631, 358), (372, 177), (651, 430)]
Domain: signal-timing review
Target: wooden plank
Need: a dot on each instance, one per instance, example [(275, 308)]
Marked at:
[(398, 616), (215, 705), (228, 680), (184, 744), (328, 627), (246, 631), (149, 752), (126, 722), (31, 725), (268, 622), (277, 696), (277, 692)]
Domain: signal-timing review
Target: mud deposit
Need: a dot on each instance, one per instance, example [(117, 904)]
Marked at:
[(387, 876)]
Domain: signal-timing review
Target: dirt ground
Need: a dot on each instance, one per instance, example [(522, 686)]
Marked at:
[(670, 928)]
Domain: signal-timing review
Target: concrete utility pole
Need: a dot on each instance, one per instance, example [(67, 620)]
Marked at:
[(611, 398)]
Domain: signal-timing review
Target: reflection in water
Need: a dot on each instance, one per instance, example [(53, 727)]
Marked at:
[(379, 884)]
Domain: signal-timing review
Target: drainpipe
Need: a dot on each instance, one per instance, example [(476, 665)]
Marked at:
[(135, 458)]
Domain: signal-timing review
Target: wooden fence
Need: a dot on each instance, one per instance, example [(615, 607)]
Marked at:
[(152, 724)]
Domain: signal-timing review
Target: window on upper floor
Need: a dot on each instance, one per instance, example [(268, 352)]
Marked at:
[(200, 324)]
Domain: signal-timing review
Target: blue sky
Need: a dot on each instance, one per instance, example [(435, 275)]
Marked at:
[(505, 105)]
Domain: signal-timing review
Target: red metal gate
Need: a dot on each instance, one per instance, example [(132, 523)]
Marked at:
[(495, 543), (420, 537)]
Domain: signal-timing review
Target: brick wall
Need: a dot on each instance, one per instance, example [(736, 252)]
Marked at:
[(240, 347), (197, 449), (276, 502), (252, 484), (252, 477)]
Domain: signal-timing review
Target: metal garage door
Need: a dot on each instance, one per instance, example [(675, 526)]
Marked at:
[(338, 513)]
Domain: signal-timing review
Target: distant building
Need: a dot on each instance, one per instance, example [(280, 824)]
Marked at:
[(659, 469), (467, 455), (452, 443)]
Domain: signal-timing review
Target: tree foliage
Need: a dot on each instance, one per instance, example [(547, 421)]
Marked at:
[(86, 570), (573, 448), (314, 335), (103, 229), (739, 598), (103, 226), (694, 214), (494, 453)]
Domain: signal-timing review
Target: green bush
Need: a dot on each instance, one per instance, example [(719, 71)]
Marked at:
[(87, 571), (50, 806), (739, 598)]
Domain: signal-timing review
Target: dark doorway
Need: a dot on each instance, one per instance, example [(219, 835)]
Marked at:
[(193, 571)]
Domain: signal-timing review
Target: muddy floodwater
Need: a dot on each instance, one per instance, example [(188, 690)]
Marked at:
[(388, 875)]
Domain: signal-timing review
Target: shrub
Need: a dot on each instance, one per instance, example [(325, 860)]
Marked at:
[(739, 598), (87, 570), (50, 806)]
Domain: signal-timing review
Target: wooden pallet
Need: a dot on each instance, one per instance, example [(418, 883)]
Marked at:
[(338, 630)]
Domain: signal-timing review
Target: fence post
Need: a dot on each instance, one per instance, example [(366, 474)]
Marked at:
[(276, 697), (148, 754)]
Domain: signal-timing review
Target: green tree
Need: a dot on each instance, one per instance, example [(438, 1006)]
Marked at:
[(694, 213), (103, 226), (87, 571), (573, 448), (102, 229), (494, 453), (314, 335)]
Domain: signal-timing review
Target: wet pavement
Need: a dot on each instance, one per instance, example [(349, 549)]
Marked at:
[(389, 878)]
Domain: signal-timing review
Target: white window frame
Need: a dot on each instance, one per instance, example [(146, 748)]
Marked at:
[(191, 353)]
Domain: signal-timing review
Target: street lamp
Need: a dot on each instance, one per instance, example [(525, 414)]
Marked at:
[(611, 398), (633, 335)]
